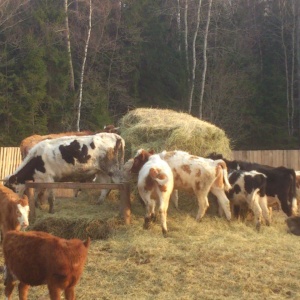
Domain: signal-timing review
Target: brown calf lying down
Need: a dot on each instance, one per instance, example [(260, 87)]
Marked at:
[(14, 210), (37, 258)]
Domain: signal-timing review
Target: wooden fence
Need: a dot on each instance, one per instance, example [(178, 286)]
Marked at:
[(275, 158), (10, 158)]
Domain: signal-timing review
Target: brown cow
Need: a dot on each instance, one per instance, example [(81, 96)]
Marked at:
[(14, 210), (36, 258)]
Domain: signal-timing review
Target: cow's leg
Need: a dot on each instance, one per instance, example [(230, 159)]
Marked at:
[(163, 208), (202, 203), (23, 291), (150, 211), (9, 283), (223, 201), (103, 195), (174, 198), (253, 201), (263, 202), (51, 200), (70, 293), (54, 292)]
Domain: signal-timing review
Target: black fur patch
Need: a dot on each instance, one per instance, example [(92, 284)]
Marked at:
[(92, 144), (27, 172), (71, 152)]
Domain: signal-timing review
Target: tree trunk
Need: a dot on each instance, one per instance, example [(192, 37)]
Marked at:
[(83, 66), (194, 59), (71, 85), (186, 39), (204, 61), (179, 25)]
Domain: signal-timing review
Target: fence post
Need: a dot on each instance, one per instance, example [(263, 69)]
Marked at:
[(125, 205)]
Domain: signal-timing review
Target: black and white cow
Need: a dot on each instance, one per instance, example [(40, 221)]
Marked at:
[(248, 191), (281, 182), (71, 158)]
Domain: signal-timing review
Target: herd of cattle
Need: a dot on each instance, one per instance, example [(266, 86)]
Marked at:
[(238, 186)]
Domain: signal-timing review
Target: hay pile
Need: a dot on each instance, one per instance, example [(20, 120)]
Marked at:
[(164, 129)]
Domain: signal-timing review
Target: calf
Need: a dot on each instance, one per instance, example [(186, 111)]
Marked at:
[(280, 186), (14, 210), (36, 258), (200, 175), (72, 158), (155, 184), (249, 188)]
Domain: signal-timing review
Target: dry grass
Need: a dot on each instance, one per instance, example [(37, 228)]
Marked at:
[(164, 129), (212, 259)]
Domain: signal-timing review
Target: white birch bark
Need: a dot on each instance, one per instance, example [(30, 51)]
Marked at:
[(186, 39), (204, 61), (194, 59), (71, 84), (83, 66)]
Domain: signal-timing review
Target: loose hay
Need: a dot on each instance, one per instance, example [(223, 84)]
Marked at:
[(164, 129)]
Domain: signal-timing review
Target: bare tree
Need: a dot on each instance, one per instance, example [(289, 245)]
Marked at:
[(194, 58), (204, 60), (186, 37), (83, 65), (72, 85)]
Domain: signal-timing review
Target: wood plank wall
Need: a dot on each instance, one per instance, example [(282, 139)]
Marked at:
[(10, 158), (275, 158)]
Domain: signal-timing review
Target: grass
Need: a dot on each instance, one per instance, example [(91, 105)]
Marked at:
[(213, 259)]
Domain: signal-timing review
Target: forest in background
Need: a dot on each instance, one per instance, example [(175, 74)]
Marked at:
[(79, 65)]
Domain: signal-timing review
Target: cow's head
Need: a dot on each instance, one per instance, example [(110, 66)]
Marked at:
[(140, 159), (112, 163), (18, 213), (12, 183)]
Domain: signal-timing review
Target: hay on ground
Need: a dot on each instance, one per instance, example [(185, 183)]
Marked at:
[(165, 129)]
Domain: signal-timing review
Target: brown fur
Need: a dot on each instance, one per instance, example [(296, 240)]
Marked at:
[(219, 182), (9, 210), (37, 258), (140, 160), (186, 168)]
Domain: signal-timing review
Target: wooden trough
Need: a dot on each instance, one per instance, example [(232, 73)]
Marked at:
[(124, 187)]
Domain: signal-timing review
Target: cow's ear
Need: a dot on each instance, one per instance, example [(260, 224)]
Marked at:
[(151, 151)]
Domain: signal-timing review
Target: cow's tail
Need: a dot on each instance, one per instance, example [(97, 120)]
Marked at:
[(120, 151), (159, 176), (222, 164)]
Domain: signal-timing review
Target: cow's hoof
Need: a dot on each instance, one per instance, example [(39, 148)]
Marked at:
[(258, 227), (165, 233), (268, 223)]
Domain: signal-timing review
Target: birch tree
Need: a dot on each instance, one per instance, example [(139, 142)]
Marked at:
[(204, 60), (83, 65), (72, 85), (194, 58)]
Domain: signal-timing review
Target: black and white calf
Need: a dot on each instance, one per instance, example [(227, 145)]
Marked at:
[(281, 182), (249, 191), (70, 158)]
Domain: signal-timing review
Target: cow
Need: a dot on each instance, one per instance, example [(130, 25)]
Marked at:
[(293, 224), (14, 211), (248, 191), (72, 158), (30, 141), (35, 258), (281, 182), (198, 174), (155, 185)]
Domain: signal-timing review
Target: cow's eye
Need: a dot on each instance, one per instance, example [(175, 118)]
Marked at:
[(19, 213)]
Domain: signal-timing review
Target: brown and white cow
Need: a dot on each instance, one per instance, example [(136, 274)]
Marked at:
[(198, 174), (14, 211), (72, 158), (35, 258), (155, 185)]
